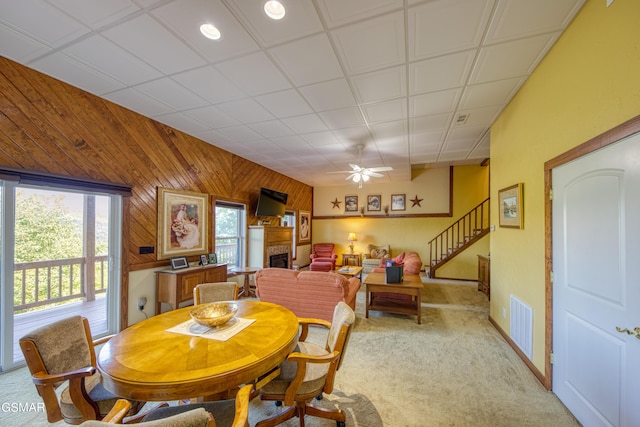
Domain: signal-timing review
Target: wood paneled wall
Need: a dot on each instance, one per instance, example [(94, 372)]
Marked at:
[(47, 125)]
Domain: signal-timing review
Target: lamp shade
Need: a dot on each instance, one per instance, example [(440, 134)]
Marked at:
[(352, 237)]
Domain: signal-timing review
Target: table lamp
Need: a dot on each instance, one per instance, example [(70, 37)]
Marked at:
[(352, 238)]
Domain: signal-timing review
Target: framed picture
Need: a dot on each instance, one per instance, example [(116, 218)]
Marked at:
[(204, 260), (305, 226), (510, 206), (213, 258), (182, 223), (398, 202), (373, 202), (351, 203), (179, 262)]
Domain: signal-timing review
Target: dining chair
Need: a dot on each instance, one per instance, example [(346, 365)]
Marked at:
[(64, 351), (213, 292), (224, 413), (310, 371)]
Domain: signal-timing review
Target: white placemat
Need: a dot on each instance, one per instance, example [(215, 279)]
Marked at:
[(221, 333)]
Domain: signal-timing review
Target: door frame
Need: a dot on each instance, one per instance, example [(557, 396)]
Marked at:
[(611, 136)]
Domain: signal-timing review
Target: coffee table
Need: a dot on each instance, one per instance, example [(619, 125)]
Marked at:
[(349, 271), (411, 285)]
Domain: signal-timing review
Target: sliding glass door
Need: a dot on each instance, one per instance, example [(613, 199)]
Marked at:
[(60, 257)]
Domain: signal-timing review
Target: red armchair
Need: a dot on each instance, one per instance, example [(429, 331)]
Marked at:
[(324, 252)]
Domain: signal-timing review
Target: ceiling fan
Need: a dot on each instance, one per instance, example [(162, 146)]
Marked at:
[(361, 174)]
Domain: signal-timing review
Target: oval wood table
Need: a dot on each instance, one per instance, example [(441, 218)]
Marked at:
[(145, 362)]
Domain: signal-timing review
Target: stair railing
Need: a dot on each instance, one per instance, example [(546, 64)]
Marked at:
[(473, 225)]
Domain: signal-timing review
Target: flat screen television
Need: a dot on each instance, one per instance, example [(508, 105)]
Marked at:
[(271, 203)]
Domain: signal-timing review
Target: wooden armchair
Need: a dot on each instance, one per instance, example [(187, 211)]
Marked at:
[(64, 351), (227, 413), (212, 292), (310, 371)]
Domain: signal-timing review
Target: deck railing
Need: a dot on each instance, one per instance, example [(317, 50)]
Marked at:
[(51, 282)]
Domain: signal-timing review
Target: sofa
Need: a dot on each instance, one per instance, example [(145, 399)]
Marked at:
[(410, 261), (306, 293), (371, 258)]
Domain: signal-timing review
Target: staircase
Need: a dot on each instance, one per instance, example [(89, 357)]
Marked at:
[(459, 236)]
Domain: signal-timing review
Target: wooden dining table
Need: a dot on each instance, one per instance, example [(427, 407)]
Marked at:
[(146, 362)]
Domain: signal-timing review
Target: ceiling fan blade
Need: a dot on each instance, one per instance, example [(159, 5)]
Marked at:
[(374, 174), (341, 172), (381, 169), (356, 168), (350, 176)]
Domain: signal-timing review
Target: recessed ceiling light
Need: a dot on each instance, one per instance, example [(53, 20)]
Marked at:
[(274, 9), (210, 32)]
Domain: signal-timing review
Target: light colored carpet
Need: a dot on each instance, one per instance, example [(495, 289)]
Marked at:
[(453, 370)]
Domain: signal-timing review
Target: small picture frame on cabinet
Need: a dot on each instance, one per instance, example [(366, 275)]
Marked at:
[(179, 262), (203, 260), (213, 258)]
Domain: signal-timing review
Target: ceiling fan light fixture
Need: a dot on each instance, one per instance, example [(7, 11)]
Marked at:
[(210, 31), (365, 177), (274, 9)]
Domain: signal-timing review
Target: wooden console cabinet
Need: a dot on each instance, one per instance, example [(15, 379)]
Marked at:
[(484, 275), (176, 286)]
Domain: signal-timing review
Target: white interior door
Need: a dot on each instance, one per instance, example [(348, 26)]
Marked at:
[(596, 287)]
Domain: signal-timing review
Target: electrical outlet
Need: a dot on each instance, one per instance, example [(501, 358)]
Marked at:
[(142, 301), (492, 227), (504, 312)]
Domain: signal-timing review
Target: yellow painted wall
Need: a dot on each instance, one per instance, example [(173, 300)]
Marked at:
[(588, 83), (470, 187)]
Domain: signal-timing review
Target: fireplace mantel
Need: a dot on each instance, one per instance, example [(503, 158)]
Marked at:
[(268, 240)]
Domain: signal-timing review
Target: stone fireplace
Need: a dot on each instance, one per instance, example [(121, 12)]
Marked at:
[(270, 246)]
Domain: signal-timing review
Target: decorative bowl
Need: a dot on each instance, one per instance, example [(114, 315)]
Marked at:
[(214, 313)]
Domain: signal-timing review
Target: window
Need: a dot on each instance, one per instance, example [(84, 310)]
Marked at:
[(230, 240), (289, 220)]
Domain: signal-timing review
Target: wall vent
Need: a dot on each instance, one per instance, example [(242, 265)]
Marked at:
[(521, 326)]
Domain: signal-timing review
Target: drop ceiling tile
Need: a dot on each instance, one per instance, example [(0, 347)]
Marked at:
[(307, 123), (522, 18), (210, 84), (101, 54), (172, 94), (246, 111), (372, 44), (389, 129), (254, 73), (300, 20), (444, 72), (511, 59), (446, 26), (429, 123), (309, 60), (340, 12), (490, 94), (20, 47), (294, 145), (424, 158), (330, 95), (380, 85), (427, 142), (286, 103), (76, 74), (43, 22), (353, 136), (271, 129), (324, 142), (212, 116), (385, 111), (460, 145), (182, 122), (481, 116), (138, 102), (342, 118), (184, 18), (147, 39), (434, 103), (238, 133), (466, 133), (96, 14)]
